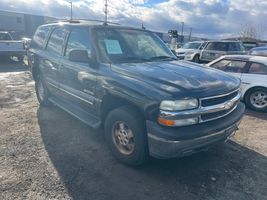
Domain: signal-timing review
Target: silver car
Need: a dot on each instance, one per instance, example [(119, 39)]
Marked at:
[(216, 49)]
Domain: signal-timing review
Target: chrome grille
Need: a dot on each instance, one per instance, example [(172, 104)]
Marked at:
[(229, 101)]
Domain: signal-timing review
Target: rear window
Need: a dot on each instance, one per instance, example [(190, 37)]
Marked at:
[(40, 36)]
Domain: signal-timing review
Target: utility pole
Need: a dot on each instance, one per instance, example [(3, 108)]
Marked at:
[(189, 37), (106, 12), (70, 10), (182, 33)]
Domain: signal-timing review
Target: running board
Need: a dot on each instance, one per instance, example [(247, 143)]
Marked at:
[(75, 111)]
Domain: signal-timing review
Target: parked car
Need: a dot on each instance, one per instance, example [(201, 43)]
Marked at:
[(10, 47), (252, 70), (129, 81), (190, 51), (216, 49), (258, 51)]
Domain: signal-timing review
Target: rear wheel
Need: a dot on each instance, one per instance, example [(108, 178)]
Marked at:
[(126, 136), (256, 99), (42, 92)]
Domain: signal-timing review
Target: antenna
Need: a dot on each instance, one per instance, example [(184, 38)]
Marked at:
[(106, 12), (70, 10)]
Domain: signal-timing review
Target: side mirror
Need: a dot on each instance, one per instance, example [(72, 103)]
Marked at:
[(79, 56)]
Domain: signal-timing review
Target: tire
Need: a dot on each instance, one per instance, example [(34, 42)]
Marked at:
[(256, 99), (42, 92), (196, 59), (126, 136)]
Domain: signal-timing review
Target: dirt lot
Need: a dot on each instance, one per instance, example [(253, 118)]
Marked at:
[(47, 154)]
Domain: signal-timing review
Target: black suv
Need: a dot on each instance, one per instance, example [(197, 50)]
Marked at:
[(128, 81)]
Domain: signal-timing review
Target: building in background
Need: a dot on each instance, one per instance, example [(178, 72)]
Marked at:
[(21, 24)]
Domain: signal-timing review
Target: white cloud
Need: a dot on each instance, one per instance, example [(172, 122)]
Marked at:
[(211, 18)]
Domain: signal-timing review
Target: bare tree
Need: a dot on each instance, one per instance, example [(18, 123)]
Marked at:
[(251, 31)]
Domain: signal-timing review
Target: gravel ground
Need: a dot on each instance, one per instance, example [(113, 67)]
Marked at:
[(47, 154)]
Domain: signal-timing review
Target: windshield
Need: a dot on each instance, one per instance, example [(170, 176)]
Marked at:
[(118, 45), (4, 36), (192, 45)]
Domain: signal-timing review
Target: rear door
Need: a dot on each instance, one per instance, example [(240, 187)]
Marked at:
[(213, 50), (256, 76), (78, 80), (51, 58)]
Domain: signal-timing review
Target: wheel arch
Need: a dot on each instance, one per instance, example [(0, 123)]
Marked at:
[(111, 102), (252, 88)]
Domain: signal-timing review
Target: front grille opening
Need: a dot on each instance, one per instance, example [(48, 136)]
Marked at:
[(218, 100)]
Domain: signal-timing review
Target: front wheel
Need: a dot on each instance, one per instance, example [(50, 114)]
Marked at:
[(256, 99), (126, 136), (196, 59), (42, 92)]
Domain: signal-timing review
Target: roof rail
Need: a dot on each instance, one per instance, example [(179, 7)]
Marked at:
[(79, 20)]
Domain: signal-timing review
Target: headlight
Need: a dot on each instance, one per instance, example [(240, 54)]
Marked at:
[(177, 105)]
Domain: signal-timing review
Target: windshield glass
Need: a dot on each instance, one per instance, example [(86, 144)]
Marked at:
[(4, 36), (191, 45), (118, 45)]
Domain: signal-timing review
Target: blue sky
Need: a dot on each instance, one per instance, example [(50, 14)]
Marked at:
[(208, 18)]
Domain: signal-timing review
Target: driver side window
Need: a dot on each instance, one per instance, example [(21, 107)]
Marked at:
[(78, 40)]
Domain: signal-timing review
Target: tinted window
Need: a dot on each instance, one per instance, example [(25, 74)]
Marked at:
[(78, 39), (40, 36), (257, 68), (235, 46), (235, 66), (55, 43), (217, 46)]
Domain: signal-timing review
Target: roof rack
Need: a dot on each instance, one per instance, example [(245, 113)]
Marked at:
[(79, 21)]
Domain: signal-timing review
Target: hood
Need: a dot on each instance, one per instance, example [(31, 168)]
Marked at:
[(184, 50), (178, 78)]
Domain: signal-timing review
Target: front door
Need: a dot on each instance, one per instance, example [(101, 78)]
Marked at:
[(78, 80)]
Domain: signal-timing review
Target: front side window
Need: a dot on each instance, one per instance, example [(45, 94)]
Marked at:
[(56, 41), (118, 45), (258, 68), (234, 66), (78, 40)]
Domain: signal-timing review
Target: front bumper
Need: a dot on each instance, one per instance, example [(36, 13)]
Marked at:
[(164, 142)]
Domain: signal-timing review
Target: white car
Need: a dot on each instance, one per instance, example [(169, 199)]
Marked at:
[(190, 51), (252, 70)]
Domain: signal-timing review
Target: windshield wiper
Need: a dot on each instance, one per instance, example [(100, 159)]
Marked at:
[(132, 58), (162, 58)]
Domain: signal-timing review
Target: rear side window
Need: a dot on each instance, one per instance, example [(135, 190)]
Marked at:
[(234, 66), (56, 41), (78, 40), (235, 46), (40, 36), (257, 68)]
